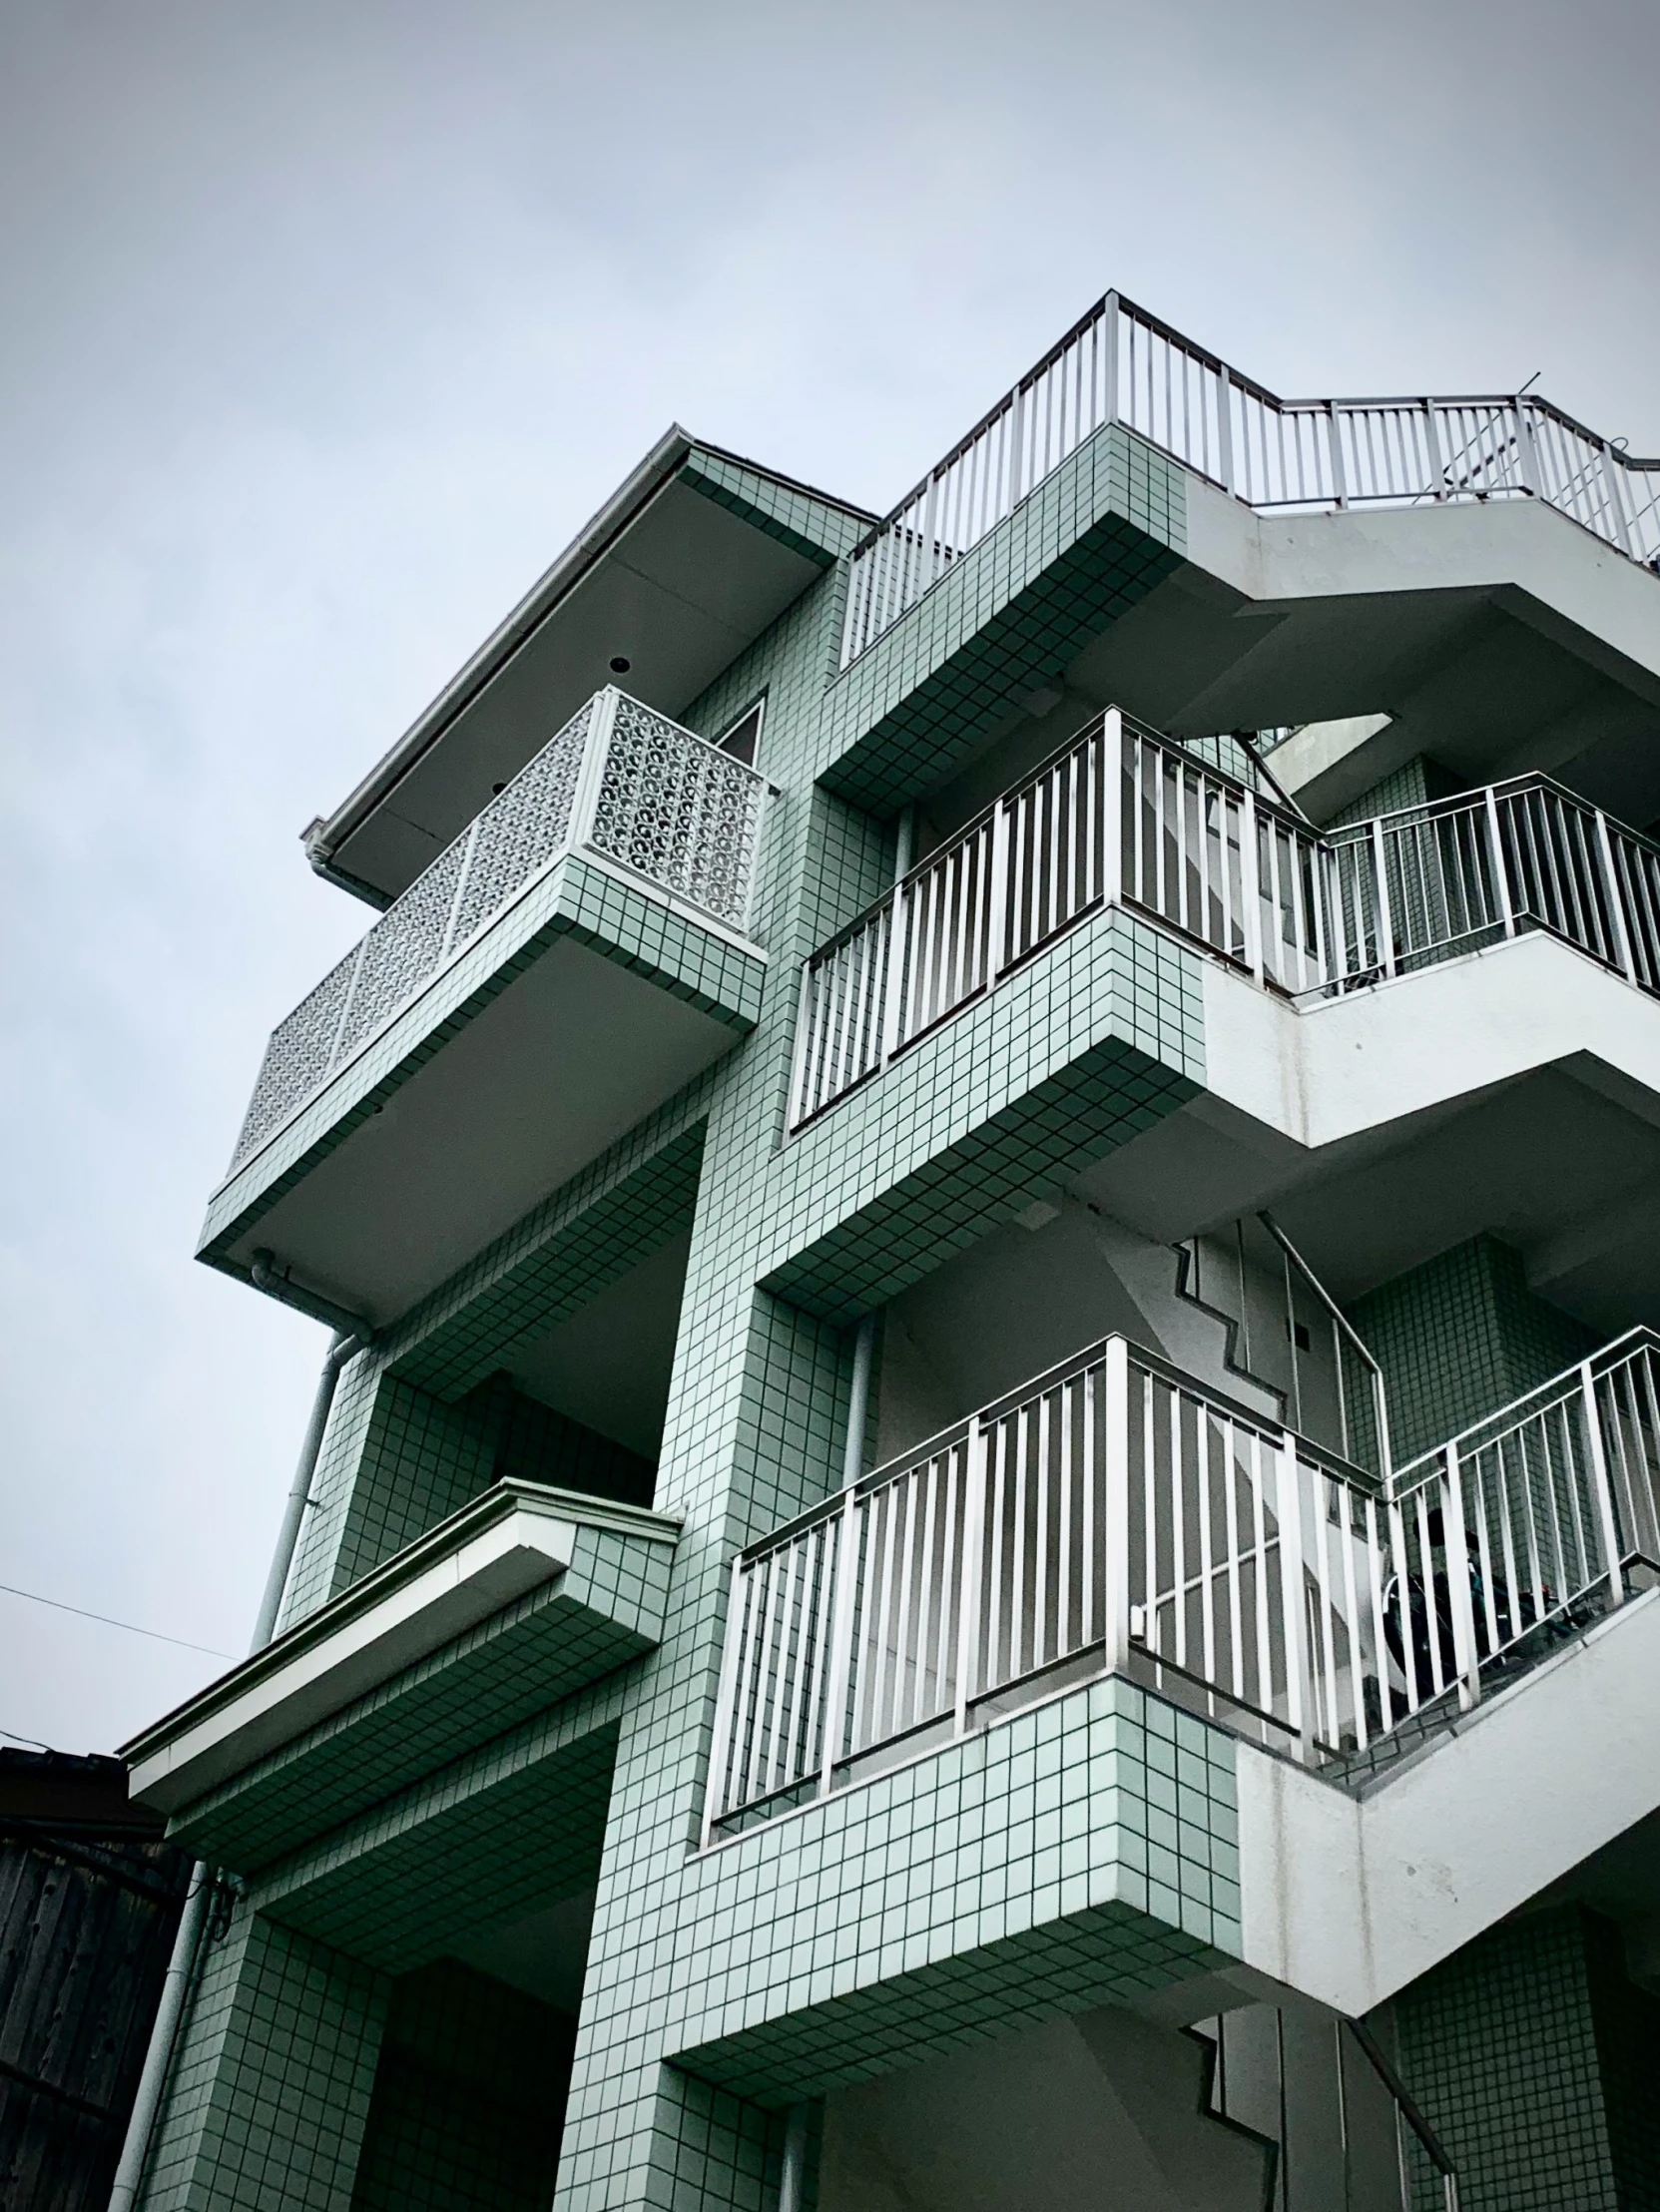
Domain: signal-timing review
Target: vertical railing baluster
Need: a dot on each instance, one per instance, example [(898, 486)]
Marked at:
[(1500, 862), (1292, 1601), (1614, 898), (996, 950), (1613, 1550), (720, 1750), (1250, 889), (972, 1596), (1455, 1541), (838, 1674), (1383, 904), (1115, 1513)]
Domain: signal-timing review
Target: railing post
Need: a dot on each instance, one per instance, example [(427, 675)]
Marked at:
[(1225, 427), (837, 1673), (1385, 905), (1111, 311), (1339, 481), (1294, 1609), (347, 998), (1432, 447), (1615, 495), (970, 1592), (1455, 1544), (725, 1699), (1501, 867), (795, 1107), (460, 891), (1115, 1518), (1616, 899), (1251, 881), (1527, 460), (1112, 809), (1613, 1550), (596, 751), (996, 935), (894, 957)]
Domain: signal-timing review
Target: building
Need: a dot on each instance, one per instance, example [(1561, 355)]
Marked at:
[(90, 1898), (988, 1533)]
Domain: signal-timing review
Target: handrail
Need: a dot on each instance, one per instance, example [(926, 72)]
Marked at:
[(1407, 2110), (1119, 363), (1117, 1513), (1553, 1386)]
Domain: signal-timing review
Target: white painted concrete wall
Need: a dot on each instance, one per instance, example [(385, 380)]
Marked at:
[(1348, 1899)]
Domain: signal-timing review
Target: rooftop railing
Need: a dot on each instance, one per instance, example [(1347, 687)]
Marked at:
[(1120, 817), (620, 780), (1121, 364), (1118, 1516)]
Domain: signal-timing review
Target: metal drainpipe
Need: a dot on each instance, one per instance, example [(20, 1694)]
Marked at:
[(300, 1494), (859, 1400), (188, 1948), (792, 2178)]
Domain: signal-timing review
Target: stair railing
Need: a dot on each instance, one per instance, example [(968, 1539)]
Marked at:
[(1122, 816), (1118, 1516), (1118, 364), (1411, 2129)]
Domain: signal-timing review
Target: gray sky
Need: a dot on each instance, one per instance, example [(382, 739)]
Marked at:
[(324, 329)]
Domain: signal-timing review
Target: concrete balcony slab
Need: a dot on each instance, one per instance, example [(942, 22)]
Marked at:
[(562, 970), (525, 1596)]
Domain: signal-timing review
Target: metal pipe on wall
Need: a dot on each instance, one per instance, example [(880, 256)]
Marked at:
[(187, 1944), (792, 2178)]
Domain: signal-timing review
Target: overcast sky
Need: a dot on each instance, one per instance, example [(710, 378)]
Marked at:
[(326, 327)]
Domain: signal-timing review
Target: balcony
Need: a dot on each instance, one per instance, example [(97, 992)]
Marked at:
[(1119, 364), (1116, 1516), (525, 1596), (1121, 817), (575, 958)]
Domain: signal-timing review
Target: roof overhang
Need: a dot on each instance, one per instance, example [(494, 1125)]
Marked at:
[(682, 569), (509, 1540)]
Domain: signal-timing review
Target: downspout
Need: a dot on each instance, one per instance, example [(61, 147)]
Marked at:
[(189, 1946), (792, 2178), (859, 1400), (299, 1494)]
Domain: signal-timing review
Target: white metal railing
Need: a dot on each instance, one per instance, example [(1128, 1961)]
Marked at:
[(1117, 1514), (619, 780), (1121, 364), (1121, 817), (1116, 815)]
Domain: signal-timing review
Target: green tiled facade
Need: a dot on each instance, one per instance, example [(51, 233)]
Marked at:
[(1461, 1336), (1079, 1853), (1534, 2056)]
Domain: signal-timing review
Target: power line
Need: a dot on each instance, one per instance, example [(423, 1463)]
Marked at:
[(35, 1598)]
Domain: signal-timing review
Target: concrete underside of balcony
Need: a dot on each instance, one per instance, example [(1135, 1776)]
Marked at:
[(514, 1827), (1498, 638), (583, 1009), (1516, 1090), (1078, 1855), (624, 1206)]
